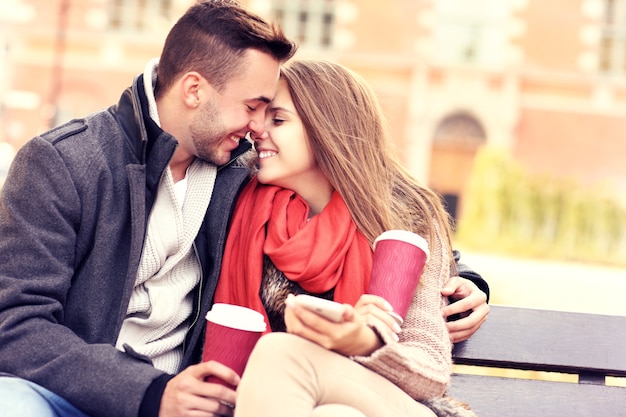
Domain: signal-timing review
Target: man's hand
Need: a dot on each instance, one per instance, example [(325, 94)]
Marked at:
[(470, 303), (187, 394)]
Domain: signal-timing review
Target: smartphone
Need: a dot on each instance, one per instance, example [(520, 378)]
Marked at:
[(328, 309)]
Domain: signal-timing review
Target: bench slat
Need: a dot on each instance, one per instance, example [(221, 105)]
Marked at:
[(548, 340), (508, 397)]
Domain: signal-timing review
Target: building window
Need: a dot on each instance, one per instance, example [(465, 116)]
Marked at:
[(471, 32), (455, 143), (613, 40), (460, 130), (138, 15), (309, 22)]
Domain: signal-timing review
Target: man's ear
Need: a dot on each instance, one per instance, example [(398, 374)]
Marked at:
[(191, 85)]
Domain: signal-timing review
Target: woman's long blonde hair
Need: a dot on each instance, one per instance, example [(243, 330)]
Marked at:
[(349, 137)]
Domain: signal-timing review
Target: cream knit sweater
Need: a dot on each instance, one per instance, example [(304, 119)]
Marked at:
[(162, 299), (161, 303)]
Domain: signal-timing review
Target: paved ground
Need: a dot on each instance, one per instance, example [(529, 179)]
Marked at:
[(553, 285)]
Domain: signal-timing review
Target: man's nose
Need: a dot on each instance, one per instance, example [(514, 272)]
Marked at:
[(256, 137), (256, 126)]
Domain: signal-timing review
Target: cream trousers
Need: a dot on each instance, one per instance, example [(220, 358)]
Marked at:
[(288, 376)]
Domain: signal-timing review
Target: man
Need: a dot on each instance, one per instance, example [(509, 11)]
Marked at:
[(112, 230), (112, 224)]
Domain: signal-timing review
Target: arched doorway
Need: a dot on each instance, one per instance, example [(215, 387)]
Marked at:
[(456, 140)]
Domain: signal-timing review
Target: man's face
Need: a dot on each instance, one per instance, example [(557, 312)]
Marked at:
[(226, 116)]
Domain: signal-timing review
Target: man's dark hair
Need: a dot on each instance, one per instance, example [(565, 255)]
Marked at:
[(211, 37)]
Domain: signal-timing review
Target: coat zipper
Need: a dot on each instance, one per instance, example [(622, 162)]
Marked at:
[(199, 299)]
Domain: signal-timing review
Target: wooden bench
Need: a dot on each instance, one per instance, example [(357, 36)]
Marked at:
[(591, 346)]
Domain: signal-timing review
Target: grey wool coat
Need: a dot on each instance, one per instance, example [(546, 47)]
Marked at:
[(73, 217)]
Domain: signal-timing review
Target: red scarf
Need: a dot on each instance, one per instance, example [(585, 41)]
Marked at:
[(321, 253)]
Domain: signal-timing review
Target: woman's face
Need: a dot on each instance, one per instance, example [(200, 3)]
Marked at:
[(285, 155)]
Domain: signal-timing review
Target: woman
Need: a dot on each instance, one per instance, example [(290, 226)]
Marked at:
[(327, 185)]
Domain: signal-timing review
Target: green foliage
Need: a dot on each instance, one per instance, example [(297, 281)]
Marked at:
[(509, 211)]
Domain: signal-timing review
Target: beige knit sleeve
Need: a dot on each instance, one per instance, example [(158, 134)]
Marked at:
[(420, 363)]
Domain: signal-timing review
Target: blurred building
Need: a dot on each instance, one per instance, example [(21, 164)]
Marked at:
[(544, 80)]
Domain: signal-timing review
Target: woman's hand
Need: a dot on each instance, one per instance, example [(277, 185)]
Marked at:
[(375, 310), (353, 336)]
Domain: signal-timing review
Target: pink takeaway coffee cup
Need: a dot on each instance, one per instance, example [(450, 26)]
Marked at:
[(231, 333), (398, 263)]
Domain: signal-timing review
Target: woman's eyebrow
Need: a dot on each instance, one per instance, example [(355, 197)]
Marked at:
[(274, 109)]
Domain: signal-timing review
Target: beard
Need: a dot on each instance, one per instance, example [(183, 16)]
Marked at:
[(207, 134)]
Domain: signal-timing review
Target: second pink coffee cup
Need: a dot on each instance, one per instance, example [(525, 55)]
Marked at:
[(398, 263)]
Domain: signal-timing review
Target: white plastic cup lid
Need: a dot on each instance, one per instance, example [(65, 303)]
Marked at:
[(237, 317), (405, 236)]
